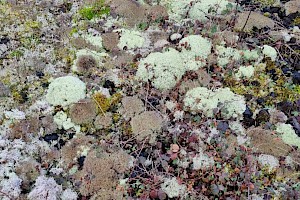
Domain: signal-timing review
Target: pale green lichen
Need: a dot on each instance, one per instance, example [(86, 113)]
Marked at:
[(269, 51), (194, 51), (268, 160), (62, 121), (225, 55), (130, 39), (288, 134), (172, 188), (202, 161), (94, 40), (166, 68), (202, 8), (65, 91), (245, 72), (195, 10), (237, 128), (206, 101), (250, 55)]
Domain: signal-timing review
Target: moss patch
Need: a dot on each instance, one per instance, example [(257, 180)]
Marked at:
[(98, 9)]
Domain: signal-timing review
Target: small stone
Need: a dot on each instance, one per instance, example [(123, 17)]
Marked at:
[(4, 90), (51, 137), (175, 36), (4, 40), (260, 101), (110, 41), (248, 113), (174, 148), (161, 195), (160, 43), (80, 161), (254, 19), (296, 78), (262, 116), (222, 126)]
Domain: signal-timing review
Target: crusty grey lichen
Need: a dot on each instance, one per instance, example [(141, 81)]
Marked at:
[(146, 126), (131, 105), (100, 171), (103, 121), (83, 112)]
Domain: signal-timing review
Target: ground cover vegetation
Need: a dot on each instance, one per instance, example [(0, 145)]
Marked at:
[(149, 99)]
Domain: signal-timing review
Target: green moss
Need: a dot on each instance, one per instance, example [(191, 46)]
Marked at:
[(102, 102), (296, 21), (30, 42), (98, 9), (263, 83), (266, 2), (143, 26), (19, 95), (15, 54), (32, 24), (73, 30)]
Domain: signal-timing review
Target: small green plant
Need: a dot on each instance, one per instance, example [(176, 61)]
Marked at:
[(229, 8), (143, 26), (15, 54), (98, 9)]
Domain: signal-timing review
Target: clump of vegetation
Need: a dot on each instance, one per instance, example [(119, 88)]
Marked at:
[(189, 82), (268, 83), (83, 111), (85, 64), (146, 126), (102, 101), (100, 171), (98, 9)]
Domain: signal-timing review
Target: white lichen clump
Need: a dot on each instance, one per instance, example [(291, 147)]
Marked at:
[(199, 9), (270, 52), (288, 134), (10, 185), (194, 51), (45, 188), (172, 188), (237, 127), (62, 121), (245, 72), (268, 160), (95, 40), (15, 114), (225, 55), (65, 91), (130, 39), (166, 69), (250, 55), (202, 161), (203, 100), (69, 194)]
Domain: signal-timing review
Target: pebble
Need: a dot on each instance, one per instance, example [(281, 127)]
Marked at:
[(175, 36), (296, 78), (4, 90)]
